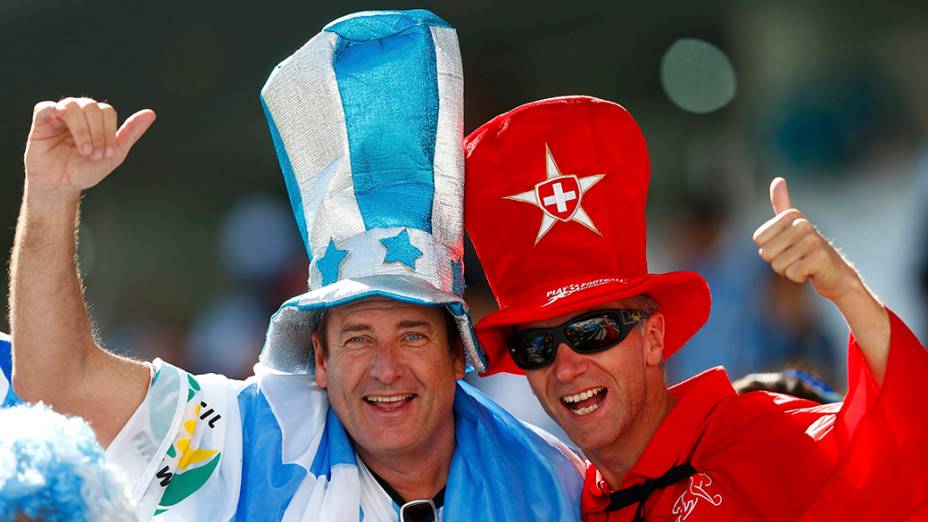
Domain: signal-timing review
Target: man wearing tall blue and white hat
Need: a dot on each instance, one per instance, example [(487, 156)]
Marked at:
[(367, 121)]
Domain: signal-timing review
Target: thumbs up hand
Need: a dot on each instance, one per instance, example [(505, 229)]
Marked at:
[(796, 250), (75, 143)]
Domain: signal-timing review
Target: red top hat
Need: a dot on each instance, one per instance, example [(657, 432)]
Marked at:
[(554, 202)]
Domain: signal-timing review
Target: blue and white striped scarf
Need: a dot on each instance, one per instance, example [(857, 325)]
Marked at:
[(501, 470), (7, 395), (270, 448)]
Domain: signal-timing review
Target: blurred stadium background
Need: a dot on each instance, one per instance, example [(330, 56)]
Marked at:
[(189, 247)]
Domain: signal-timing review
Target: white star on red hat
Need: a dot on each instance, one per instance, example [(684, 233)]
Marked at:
[(565, 201)]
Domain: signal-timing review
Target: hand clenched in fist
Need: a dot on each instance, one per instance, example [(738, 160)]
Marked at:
[(75, 143), (797, 250)]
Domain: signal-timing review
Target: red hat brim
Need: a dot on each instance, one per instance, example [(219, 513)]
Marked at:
[(682, 297)]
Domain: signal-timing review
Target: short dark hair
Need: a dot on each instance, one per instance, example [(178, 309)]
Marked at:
[(643, 302), (452, 334)]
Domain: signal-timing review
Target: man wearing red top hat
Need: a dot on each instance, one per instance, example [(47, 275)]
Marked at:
[(555, 206)]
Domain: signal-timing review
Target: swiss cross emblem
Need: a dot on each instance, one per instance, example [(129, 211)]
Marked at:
[(559, 197)]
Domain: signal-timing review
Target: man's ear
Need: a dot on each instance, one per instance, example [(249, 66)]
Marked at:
[(321, 377), (460, 365), (654, 339)]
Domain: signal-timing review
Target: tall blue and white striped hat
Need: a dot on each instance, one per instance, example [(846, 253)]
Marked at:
[(367, 120)]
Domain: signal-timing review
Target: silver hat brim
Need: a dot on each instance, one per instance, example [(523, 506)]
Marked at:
[(288, 346)]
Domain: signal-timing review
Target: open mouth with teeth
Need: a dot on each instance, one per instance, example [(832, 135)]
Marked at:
[(389, 402), (585, 402)]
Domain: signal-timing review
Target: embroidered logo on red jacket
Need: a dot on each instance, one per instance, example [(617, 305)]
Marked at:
[(697, 490)]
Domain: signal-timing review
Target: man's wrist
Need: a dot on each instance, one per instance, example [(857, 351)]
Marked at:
[(853, 291), (859, 305), (49, 202)]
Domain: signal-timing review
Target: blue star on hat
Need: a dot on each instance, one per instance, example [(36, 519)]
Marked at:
[(330, 263), (400, 250)]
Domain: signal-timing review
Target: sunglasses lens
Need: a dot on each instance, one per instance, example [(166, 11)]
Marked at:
[(592, 334), (532, 350)]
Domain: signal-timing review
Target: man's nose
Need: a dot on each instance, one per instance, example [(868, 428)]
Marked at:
[(386, 363), (568, 364)]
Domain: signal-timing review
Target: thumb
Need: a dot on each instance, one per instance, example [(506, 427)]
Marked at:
[(133, 129), (779, 195)]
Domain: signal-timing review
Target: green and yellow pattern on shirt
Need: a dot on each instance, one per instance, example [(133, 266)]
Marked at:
[(188, 466)]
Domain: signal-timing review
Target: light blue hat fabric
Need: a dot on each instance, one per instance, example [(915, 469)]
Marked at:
[(367, 120)]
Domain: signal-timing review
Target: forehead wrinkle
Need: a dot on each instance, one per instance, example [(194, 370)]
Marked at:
[(364, 327)]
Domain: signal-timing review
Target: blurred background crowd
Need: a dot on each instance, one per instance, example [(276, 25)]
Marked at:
[(189, 247)]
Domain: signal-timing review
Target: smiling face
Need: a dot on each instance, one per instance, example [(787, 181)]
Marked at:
[(390, 374), (599, 397)]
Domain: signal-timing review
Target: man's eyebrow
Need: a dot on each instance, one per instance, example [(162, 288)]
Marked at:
[(354, 327), (363, 327), (414, 324)]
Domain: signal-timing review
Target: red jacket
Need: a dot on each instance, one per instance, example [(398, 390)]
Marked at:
[(767, 456)]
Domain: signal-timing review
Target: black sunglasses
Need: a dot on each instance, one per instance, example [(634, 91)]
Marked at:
[(588, 333)]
